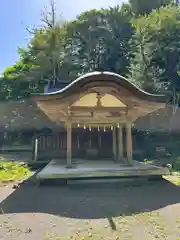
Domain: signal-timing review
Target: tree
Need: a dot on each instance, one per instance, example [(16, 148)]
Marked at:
[(113, 39), (145, 7), (42, 62), (47, 46), (157, 50), (14, 83), (99, 40)]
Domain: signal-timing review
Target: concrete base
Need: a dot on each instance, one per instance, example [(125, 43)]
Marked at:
[(89, 169)]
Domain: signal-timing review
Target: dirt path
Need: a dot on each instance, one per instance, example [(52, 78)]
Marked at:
[(106, 211)]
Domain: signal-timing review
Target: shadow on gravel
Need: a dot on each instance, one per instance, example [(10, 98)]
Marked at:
[(91, 201)]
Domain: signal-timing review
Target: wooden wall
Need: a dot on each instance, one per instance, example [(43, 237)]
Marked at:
[(54, 146)]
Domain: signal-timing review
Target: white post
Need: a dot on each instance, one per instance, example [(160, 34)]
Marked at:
[(36, 149)]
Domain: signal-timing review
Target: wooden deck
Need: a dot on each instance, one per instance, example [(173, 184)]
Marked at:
[(86, 169)]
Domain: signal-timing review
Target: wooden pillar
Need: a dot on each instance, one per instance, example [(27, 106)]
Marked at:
[(114, 144), (90, 143), (120, 144), (100, 141), (78, 142), (129, 143), (69, 144)]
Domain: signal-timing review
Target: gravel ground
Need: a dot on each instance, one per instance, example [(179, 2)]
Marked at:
[(98, 211)]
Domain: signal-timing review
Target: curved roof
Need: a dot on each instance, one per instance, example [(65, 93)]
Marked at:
[(105, 77), (60, 85)]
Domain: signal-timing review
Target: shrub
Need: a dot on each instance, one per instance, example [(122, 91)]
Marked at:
[(176, 164), (11, 171)]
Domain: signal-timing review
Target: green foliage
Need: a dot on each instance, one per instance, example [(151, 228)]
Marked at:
[(156, 44), (96, 40), (145, 7), (148, 161), (145, 48), (176, 165), (15, 83), (12, 171), (100, 40)]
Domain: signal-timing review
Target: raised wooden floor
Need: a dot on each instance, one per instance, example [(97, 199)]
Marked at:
[(98, 169)]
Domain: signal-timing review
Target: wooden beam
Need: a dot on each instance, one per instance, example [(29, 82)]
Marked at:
[(93, 121), (120, 143), (99, 109), (129, 142), (69, 144)]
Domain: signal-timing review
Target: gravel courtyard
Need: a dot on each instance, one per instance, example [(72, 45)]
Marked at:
[(97, 211)]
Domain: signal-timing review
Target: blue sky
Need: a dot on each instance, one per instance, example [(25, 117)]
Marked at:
[(16, 16)]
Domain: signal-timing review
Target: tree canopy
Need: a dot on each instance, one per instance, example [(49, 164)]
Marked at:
[(146, 7), (140, 40), (156, 49)]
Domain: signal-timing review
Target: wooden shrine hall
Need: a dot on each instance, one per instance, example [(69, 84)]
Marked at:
[(94, 115)]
